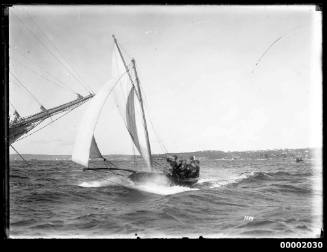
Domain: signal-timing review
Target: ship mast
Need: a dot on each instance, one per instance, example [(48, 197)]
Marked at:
[(124, 62), (24, 125), (143, 113), (139, 95)]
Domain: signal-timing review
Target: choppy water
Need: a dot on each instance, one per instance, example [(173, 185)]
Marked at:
[(58, 199)]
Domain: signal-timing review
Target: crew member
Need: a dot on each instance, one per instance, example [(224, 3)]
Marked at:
[(194, 167), (174, 163), (182, 169)]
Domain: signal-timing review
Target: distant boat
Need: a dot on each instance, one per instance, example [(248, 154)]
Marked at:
[(299, 159), (126, 85)]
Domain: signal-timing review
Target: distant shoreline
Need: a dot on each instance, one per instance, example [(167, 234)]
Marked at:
[(274, 153)]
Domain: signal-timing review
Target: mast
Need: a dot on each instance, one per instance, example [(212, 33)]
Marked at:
[(143, 114), (138, 94), (124, 62), (24, 125), (49, 112)]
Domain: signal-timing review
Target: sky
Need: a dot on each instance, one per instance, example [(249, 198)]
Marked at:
[(196, 65)]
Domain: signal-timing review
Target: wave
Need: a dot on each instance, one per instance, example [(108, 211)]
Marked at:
[(147, 186), (282, 182), (23, 222), (291, 188), (162, 188), (218, 182), (259, 176), (96, 183), (18, 177), (249, 177)]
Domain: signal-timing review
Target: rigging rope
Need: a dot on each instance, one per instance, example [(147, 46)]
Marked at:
[(55, 82), (162, 146), (125, 52), (125, 123), (20, 155), (71, 71), (120, 110), (52, 121), (58, 51), (156, 164), (19, 82), (30, 62), (44, 125), (134, 156), (124, 120), (115, 85), (12, 106), (117, 82)]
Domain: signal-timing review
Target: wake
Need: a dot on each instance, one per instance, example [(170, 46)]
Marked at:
[(216, 182), (161, 186), (151, 186)]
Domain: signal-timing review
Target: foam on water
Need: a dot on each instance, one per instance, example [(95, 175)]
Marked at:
[(103, 182), (217, 182), (158, 185), (151, 186), (49, 200), (162, 189)]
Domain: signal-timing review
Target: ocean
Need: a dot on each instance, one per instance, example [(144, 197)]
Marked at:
[(275, 197)]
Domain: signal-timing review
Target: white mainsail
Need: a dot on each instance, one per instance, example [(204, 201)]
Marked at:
[(85, 134), (133, 129), (123, 91), (130, 120), (129, 110)]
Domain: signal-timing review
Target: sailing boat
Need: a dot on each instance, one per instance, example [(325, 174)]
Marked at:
[(125, 87)]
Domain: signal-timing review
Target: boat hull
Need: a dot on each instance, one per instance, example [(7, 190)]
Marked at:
[(161, 178), (184, 182)]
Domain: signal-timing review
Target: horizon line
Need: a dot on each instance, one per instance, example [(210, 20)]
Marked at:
[(181, 152)]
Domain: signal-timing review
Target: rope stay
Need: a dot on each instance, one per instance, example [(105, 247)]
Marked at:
[(12, 105), (162, 146), (114, 86), (133, 147), (52, 121), (26, 89), (62, 62), (125, 52), (54, 80), (68, 63), (20, 155)]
